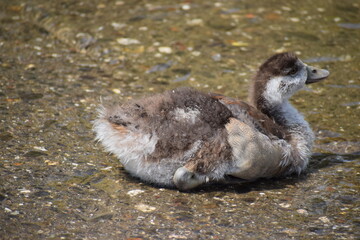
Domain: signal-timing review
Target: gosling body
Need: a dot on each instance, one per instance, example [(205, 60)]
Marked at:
[(183, 137)]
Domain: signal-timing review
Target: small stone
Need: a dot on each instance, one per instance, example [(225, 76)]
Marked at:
[(40, 148), (14, 213), (286, 8), (144, 207), (127, 41), (302, 211), (30, 67), (324, 219), (216, 57), (116, 90), (290, 231), (185, 7), (166, 50), (135, 192), (118, 26), (23, 190), (295, 19), (119, 3), (239, 44), (285, 205), (195, 22), (101, 5), (106, 168), (177, 236), (196, 53), (51, 163)]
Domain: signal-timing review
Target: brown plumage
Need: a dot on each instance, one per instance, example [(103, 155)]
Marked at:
[(184, 137)]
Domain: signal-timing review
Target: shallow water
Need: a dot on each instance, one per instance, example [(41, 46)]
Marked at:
[(58, 58)]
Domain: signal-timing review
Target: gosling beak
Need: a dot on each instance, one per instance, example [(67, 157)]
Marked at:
[(316, 74)]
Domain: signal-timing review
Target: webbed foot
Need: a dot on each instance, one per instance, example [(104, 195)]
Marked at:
[(186, 180)]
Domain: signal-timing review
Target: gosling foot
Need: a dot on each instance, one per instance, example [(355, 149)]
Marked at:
[(186, 180)]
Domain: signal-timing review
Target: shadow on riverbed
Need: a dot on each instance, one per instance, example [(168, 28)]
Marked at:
[(236, 185)]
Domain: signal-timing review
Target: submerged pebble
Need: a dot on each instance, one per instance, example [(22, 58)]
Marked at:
[(144, 207), (349, 25), (166, 50), (160, 67), (127, 41), (134, 192)]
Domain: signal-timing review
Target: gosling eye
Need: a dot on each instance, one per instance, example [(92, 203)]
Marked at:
[(293, 71)]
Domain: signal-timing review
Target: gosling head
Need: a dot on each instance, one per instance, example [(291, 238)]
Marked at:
[(279, 77)]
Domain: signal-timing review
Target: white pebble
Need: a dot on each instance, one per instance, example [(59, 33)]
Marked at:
[(285, 205), (40, 148), (195, 22), (116, 90), (295, 19), (127, 41), (135, 192), (302, 211), (144, 207), (196, 53), (8, 210), (185, 7), (23, 190), (118, 26), (324, 219), (166, 50)]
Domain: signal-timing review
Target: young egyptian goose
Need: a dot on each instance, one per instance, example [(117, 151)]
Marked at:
[(183, 138)]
